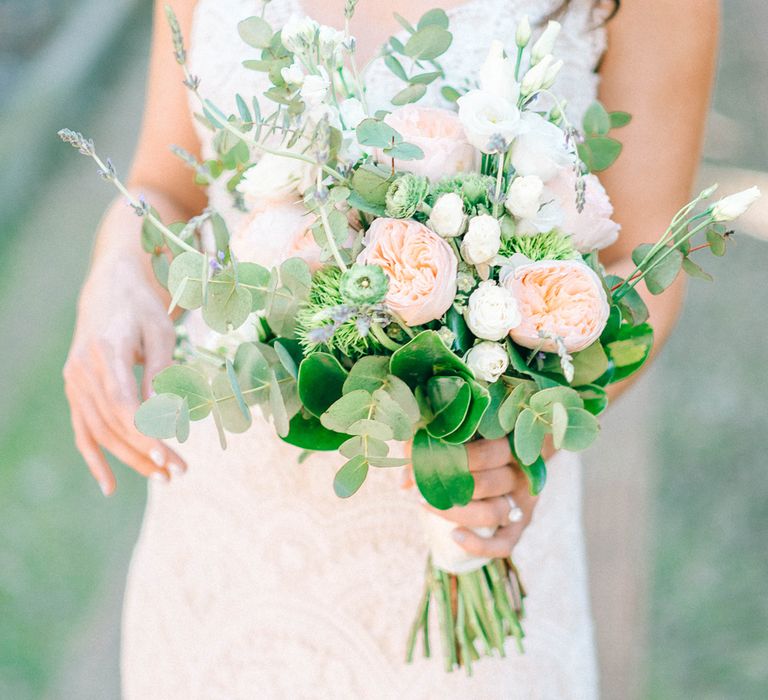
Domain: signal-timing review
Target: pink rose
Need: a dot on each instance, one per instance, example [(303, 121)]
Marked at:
[(593, 228), (439, 134), (557, 298), (420, 265), (274, 232)]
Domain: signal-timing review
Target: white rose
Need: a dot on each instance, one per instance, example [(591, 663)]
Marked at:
[(492, 311), (447, 217), (546, 42), (293, 74), (298, 33), (524, 196), (488, 360), (733, 206), (540, 149), (482, 240), (484, 116), (314, 89), (497, 74), (275, 177)]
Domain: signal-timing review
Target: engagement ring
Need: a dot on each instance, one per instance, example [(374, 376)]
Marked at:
[(515, 511)]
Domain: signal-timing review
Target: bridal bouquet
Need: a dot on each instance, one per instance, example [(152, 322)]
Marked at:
[(441, 277)]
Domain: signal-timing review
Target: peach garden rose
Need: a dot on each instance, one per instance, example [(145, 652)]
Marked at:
[(420, 265), (559, 298), (439, 134)]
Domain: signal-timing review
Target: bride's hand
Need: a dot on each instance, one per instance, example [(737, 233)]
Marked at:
[(121, 322), (497, 480)]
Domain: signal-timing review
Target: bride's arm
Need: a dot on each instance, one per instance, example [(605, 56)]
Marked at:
[(122, 317), (659, 67)]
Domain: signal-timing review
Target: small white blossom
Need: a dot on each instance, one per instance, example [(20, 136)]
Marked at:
[(497, 74), (523, 32), (447, 218), (293, 74), (733, 206), (492, 311), (314, 89), (524, 196), (546, 42), (299, 33), (482, 241), (487, 360)]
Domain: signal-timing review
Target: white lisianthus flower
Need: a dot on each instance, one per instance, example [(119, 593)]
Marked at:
[(524, 196), (314, 89), (549, 216), (551, 75), (485, 116), (274, 178), (447, 218), (546, 42), (299, 33), (497, 74), (540, 149), (523, 32), (482, 241), (492, 311), (293, 74), (488, 360), (536, 77), (733, 206)]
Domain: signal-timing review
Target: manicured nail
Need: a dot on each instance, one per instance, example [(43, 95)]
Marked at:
[(159, 476), (105, 488), (176, 469), (459, 535), (157, 457)]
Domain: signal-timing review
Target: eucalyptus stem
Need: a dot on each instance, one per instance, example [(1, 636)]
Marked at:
[(331, 240), (383, 338)]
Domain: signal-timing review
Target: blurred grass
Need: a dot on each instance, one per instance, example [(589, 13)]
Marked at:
[(64, 549)]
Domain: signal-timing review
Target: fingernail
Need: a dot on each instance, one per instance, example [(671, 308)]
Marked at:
[(105, 488), (161, 477), (176, 469), (459, 535), (157, 457)]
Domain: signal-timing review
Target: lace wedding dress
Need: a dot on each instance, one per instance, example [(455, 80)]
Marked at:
[(251, 579)]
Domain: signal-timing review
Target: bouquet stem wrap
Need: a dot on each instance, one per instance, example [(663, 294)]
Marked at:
[(478, 601)]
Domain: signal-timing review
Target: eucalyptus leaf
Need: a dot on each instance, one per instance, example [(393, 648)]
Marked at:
[(490, 428), (589, 364), (436, 17), (255, 32), (277, 407), (350, 477), (395, 66), (163, 416), (184, 281), (597, 121), (583, 428), (321, 380), (404, 151), (515, 403), (599, 152), (559, 424), (188, 383), (228, 304), (428, 43), (377, 133), (253, 373), (692, 269), (529, 435), (228, 407), (412, 93), (661, 269), (620, 119)]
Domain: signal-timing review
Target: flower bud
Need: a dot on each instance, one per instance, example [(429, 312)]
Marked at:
[(487, 360), (523, 33), (536, 76), (551, 74), (546, 42), (733, 206)]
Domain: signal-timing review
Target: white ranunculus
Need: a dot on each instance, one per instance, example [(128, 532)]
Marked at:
[(536, 76), (733, 206), (523, 32), (540, 149), (488, 360), (275, 177), (492, 311), (524, 196), (293, 74), (447, 218), (482, 241), (485, 116), (298, 33), (314, 89), (546, 42), (497, 74)]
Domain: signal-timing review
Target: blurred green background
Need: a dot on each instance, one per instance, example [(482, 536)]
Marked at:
[(677, 495)]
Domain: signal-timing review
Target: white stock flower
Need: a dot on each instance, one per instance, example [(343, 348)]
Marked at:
[(546, 42), (488, 360), (447, 218), (492, 311), (540, 149), (298, 33), (497, 74), (536, 77), (485, 116), (482, 241), (330, 40), (523, 32), (275, 177), (314, 89), (524, 196), (293, 74), (734, 205)]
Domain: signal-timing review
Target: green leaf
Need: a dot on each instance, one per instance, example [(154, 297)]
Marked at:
[(693, 270), (228, 408), (404, 151), (428, 43), (376, 133), (543, 401), (188, 383), (277, 407), (716, 242), (449, 398), (630, 351), (481, 399), (426, 356), (449, 93), (529, 433), (228, 304), (412, 93), (559, 424), (514, 403), (425, 78), (613, 324), (490, 427), (395, 66), (321, 379), (255, 32), (596, 122), (253, 373), (350, 408), (160, 267), (369, 373), (366, 446), (306, 431), (350, 477), (456, 323), (163, 416), (184, 281), (404, 23), (542, 379), (583, 428), (373, 428), (236, 390), (389, 412), (152, 237), (594, 397), (220, 232), (620, 119), (286, 359), (441, 471), (536, 474), (435, 17), (662, 269), (589, 364), (633, 308), (372, 182), (599, 152)]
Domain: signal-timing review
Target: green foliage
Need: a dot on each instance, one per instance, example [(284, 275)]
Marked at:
[(552, 245), (630, 350), (599, 151), (256, 32), (661, 269), (405, 195), (441, 471), (472, 187), (320, 384), (164, 416)]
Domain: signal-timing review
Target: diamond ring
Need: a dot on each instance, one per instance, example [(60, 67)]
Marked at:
[(515, 511)]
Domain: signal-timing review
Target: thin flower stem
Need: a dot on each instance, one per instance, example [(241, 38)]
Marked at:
[(499, 177), (331, 240), (383, 338), (518, 63)]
